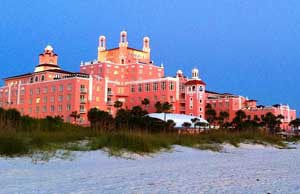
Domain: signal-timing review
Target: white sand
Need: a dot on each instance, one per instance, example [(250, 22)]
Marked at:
[(248, 169)]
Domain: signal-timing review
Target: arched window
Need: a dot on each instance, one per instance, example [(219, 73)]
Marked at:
[(43, 78), (36, 79), (123, 38), (200, 88), (31, 80), (102, 42)]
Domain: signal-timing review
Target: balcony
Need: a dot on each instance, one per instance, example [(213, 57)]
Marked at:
[(83, 90), (182, 100), (110, 93), (109, 103), (181, 108), (82, 101), (82, 111)]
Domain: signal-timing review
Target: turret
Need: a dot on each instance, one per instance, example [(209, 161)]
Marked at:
[(146, 44), (123, 39), (195, 73), (102, 43), (47, 60)]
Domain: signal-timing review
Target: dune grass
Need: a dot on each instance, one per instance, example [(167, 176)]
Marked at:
[(83, 139)]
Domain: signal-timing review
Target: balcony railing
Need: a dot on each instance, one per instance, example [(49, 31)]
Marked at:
[(82, 101), (182, 100), (109, 103), (110, 93), (83, 90), (82, 111)]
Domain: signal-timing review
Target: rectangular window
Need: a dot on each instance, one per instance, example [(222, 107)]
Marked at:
[(53, 89), (181, 86), (52, 99), (37, 100), (22, 92), (163, 85), (132, 88), (171, 86), (22, 101), (59, 108), (45, 99), (155, 86), (61, 88), (68, 107), (69, 87), (109, 92), (227, 104), (147, 87), (30, 101), (60, 98), (30, 91), (45, 89), (44, 108), (140, 88), (37, 109), (68, 97), (52, 108)]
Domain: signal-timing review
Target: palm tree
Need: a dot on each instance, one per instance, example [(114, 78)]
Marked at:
[(239, 119), (210, 114), (223, 116), (145, 102), (118, 104), (158, 107), (170, 124), (166, 108), (271, 122), (295, 123), (194, 121), (75, 115), (186, 125)]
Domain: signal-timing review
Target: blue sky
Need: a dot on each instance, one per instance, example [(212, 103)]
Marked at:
[(251, 48)]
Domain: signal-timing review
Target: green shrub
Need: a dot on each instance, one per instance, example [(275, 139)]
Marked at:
[(13, 146)]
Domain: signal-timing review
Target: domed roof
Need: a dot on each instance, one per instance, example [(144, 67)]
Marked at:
[(48, 48), (195, 70)]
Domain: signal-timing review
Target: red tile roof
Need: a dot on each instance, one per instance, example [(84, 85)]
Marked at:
[(194, 82)]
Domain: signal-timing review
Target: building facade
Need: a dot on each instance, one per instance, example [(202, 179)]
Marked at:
[(119, 74), (232, 103)]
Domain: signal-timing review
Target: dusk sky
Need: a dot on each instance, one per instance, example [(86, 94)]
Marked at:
[(245, 47)]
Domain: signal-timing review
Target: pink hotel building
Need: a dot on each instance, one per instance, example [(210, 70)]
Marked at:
[(124, 74)]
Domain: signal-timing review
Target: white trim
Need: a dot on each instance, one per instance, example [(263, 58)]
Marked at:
[(18, 98), (90, 88), (177, 88), (9, 93), (152, 80), (105, 89)]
